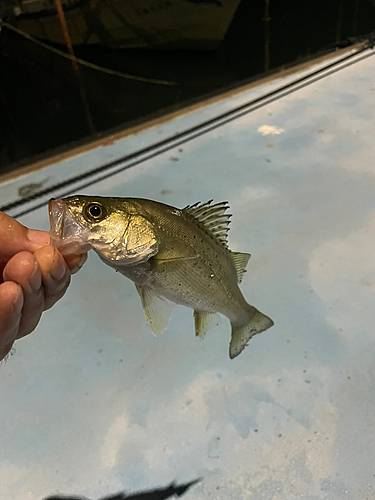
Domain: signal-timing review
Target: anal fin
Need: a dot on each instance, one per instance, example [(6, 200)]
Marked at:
[(203, 321), (157, 309)]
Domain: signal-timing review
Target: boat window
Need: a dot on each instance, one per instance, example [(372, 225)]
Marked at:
[(96, 67)]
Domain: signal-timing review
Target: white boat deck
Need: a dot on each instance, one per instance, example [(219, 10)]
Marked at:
[(93, 404)]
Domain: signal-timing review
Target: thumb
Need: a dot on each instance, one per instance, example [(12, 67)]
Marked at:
[(15, 238)]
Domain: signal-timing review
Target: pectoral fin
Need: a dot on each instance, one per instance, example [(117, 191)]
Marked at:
[(203, 321), (171, 259), (157, 309)]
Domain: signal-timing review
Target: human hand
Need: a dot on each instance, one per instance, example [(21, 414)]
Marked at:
[(33, 277)]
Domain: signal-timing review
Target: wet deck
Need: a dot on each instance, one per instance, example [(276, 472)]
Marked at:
[(92, 403)]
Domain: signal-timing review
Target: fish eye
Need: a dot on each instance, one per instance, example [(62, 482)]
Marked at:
[(95, 211)]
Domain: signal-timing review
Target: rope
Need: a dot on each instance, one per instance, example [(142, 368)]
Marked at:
[(85, 63)]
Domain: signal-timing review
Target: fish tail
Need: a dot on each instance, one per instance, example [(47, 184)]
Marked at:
[(241, 334)]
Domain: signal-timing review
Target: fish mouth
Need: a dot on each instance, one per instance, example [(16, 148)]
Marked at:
[(65, 232), (57, 210)]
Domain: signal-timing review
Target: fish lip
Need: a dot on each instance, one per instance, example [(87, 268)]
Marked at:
[(57, 213)]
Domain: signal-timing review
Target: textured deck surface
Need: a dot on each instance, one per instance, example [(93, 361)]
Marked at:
[(92, 403)]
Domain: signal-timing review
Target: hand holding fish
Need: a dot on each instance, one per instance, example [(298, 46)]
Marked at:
[(33, 277)]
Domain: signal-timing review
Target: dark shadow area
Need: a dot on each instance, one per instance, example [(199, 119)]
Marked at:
[(41, 106), (158, 494)]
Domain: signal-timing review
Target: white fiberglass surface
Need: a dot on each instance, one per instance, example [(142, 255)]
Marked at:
[(92, 403)]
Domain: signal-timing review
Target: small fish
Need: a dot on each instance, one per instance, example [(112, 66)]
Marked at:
[(174, 256)]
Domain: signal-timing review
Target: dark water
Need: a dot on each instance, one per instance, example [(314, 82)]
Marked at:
[(41, 106)]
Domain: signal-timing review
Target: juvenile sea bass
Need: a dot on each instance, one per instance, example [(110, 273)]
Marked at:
[(173, 254)]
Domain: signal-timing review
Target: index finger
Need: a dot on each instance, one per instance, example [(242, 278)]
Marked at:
[(15, 238)]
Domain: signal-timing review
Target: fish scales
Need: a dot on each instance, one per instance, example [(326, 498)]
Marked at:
[(212, 267)]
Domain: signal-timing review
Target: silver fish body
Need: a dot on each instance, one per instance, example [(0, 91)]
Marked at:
[(173, 254)]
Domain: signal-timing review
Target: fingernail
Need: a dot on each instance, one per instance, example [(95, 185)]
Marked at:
[(62, 285), (79, 265), (58, 268), (18, 301), (38, 237), (35, 279)]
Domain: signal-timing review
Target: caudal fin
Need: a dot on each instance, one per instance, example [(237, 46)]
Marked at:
[(243, 333)]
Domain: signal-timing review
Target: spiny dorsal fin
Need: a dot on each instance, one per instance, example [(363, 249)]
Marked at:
[(213, 218), (240, 261)]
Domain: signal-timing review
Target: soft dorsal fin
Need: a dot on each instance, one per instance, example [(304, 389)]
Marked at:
[(213, 218), (240, 261)]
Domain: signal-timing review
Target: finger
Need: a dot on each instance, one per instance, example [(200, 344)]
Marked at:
[(24, 270), (17, 238), (75, 262), (11, 303), (55, 274)]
